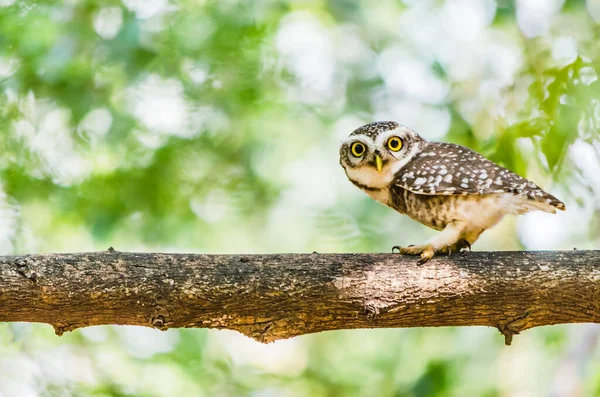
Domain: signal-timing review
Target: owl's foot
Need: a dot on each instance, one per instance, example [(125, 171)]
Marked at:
[(428, 251), (410, 250)]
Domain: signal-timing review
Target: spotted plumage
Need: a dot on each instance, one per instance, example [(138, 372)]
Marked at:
[(446, 168), (444, 186)]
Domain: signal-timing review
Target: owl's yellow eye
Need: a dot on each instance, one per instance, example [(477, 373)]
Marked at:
[(358, 149), (394, 143)]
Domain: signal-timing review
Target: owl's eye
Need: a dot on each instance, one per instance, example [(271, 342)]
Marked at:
[(358, 149), (394, 143)]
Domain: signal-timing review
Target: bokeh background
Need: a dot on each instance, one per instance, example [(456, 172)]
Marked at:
[(214, 126)]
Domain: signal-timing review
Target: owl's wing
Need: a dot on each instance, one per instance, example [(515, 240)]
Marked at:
[(446, 168)]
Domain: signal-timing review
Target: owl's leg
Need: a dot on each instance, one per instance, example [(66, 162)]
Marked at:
[(447, 241)]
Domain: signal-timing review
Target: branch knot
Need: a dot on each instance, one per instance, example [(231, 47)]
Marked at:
[(23, 266), (513, 327)]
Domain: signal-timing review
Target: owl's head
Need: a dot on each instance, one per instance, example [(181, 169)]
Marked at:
[(373, 153)]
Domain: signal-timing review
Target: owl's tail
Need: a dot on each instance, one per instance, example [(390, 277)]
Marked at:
[(523, 204)]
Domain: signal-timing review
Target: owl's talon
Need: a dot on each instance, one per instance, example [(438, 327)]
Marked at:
[(463, 245), (428, 253), (405, 250)]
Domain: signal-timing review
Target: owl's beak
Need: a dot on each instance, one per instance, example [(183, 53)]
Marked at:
[(378, 163)]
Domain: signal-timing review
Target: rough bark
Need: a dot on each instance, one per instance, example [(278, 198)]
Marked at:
[(269, 297)]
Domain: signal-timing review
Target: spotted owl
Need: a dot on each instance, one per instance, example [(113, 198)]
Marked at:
[(447, 187)]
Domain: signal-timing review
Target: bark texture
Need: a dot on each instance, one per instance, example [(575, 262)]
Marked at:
[(269, 297)]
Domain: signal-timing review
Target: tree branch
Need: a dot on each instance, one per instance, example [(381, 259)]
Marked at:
[(269, 297)]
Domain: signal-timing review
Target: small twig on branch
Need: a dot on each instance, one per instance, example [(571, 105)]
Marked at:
[(269, 297)]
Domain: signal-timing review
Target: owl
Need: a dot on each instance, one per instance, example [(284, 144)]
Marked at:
[(447, 187)]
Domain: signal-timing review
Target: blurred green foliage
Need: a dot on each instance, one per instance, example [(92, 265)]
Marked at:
[(213, 126)]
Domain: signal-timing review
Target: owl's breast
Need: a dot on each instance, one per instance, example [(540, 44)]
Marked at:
[(433, 211), (437, 211)]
